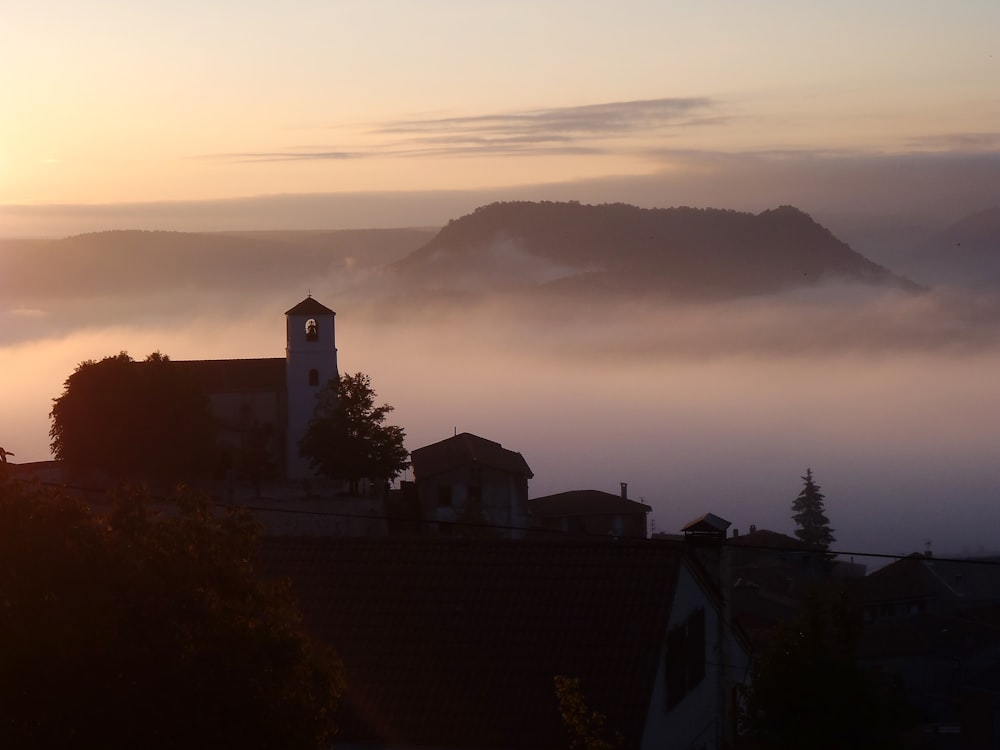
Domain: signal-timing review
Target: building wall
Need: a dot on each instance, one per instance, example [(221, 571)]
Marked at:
[(696, 720), (311, 363), (618, 525), (238, 414), (450, 497)]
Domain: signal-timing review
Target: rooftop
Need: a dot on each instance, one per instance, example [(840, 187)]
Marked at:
[(450, 642)]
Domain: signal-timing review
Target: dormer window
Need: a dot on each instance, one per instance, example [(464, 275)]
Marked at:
[(312, 333)]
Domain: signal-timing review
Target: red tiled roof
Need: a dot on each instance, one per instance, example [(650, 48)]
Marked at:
[(917, 576), (236, 375), (707, 523), (584, 502), (770, 540), (455, 643), (464, 449)]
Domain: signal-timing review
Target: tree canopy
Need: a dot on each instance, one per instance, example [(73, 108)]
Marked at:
[(806, 688), (135, 628), (810, 515), (348, 439), (133, 420)]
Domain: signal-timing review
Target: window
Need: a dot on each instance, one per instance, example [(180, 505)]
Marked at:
[(476, 496), (444, 496), (685, 659), (312, 332), (314, 377)]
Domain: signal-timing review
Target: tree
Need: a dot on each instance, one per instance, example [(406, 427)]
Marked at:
[(134, 628), (810, 516), (132, 420), (586, 727), (806, 688), (347, 438)]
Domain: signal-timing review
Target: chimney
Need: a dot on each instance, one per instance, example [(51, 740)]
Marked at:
[(736, 533), (753, 528), (624, 490)]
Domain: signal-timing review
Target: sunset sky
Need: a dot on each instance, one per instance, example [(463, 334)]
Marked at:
[(121, 102)]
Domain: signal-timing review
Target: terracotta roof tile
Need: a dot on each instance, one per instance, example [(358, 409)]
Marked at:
[(585, 502), (463, 449), (236, 375), (452, 642)]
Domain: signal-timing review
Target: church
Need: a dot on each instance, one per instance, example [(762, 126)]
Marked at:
[(273, 398)]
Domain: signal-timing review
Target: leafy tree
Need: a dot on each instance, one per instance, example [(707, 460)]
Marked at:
[(587, 728), (255, 452), (806, 688), (348, 439), (141, 629), (810, 515), (131, 420)]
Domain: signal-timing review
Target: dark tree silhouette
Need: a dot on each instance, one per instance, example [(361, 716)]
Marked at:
[(810, 515), (806, 688), (133, 420), (141, 629), (347, 438)]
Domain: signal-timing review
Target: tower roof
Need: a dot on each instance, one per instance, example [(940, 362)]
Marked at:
[(310, 306)]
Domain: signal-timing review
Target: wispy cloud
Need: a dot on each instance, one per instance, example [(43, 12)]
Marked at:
[(572, 131), (958, 141), (592, 119)]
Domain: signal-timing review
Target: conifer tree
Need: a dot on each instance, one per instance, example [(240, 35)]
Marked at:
[(810, 515)]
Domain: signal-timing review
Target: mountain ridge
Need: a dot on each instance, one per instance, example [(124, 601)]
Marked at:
[(688, 252)]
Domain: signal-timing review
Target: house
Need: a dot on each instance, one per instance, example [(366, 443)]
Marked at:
[(456, 643), (591, 513), (273, 399), (468, 481), (931, 630)]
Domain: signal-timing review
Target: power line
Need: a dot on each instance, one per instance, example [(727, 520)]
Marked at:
[(988, 561)]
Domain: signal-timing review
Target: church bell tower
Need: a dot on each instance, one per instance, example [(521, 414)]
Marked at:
[(311, 363)]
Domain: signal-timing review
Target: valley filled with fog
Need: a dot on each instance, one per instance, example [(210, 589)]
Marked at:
[(888, 396)]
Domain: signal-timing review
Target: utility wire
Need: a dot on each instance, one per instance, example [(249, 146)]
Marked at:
[(988, 561)]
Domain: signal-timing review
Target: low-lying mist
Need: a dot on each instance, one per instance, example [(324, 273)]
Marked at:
[(888, 396)]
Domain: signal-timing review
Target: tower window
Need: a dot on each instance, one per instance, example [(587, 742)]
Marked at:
[(312, 333), (314, 377)]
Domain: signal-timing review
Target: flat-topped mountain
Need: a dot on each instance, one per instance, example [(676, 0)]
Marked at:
[(686, 252)]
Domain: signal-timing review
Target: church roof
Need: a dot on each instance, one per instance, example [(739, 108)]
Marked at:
[(236, 375), (310, 306)]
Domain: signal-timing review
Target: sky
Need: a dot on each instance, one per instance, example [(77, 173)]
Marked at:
[(111, 103)]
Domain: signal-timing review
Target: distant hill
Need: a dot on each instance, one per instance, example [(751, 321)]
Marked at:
[(618, 248), (967, 253), (120, 262)]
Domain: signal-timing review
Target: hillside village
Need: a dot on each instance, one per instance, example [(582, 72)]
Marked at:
[(456, 598)]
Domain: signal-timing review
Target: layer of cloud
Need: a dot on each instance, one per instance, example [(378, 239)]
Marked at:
[(570, 131), (925, 189)]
